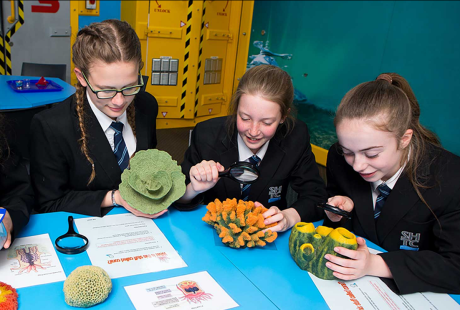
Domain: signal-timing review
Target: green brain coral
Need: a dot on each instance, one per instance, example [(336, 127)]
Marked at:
[(87, 286), (153, 181), (308, 246)]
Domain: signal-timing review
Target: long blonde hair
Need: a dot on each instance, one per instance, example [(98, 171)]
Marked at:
[(108, 41), (390, 95)]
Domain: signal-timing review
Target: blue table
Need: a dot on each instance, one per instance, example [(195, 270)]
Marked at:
[(260, 278), (11, 100)]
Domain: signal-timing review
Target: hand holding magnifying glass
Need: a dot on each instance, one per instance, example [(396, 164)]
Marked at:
[(335, 210), (241, 172)]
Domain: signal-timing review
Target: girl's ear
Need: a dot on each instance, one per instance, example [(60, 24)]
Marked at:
[(80, 77), (284, 118), (406, 138)]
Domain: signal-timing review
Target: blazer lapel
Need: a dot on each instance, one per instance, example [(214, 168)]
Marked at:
[(401, 200), (364, 208), (228, 157), (268, 167), (99, 147), (142, 134)]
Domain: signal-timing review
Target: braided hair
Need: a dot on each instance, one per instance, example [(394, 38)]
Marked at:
[(108, 41)]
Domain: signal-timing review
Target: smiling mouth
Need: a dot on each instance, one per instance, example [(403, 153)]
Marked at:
[(253, 139), (116, 109), (367, 175)]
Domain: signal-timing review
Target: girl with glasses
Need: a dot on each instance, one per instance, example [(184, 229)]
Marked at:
[(402, 189), (80, 147)]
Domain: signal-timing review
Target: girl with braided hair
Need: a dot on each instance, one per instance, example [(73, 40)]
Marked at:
[(401, 188), (80, 147)]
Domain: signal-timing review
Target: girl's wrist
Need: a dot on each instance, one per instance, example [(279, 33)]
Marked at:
[(378, 267)]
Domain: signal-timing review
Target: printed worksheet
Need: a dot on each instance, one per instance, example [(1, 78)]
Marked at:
[(125, 245), (194, 291), (372, 293), (30, 261)]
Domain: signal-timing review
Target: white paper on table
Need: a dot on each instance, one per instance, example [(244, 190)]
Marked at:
[(125, 245), (30, 261), (372, 293), (193, 291)]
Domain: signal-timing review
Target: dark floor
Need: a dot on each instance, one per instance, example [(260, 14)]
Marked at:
[(174, 141)]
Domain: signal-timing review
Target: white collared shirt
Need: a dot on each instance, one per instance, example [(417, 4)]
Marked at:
[(390, 183), (244, 152), (105, 122)]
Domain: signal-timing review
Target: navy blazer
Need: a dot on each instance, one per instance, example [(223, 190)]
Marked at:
[(423, 250), (59, 170), (16, 194), (288, 160)]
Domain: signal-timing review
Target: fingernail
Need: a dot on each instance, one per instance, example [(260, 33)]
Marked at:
[(337, 250)]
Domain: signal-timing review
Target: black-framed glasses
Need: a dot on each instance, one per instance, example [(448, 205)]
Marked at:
[(110, 93)]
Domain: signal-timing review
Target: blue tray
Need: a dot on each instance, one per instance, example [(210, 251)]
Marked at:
[(52, 86)]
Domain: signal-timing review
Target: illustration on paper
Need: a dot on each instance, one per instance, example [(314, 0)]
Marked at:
[(192, 292), (29, 258)]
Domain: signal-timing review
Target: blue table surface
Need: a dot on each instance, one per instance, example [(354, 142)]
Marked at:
[(12, 100), (260, 278)]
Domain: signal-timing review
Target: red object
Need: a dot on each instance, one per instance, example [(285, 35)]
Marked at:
[(8, 297), (42, 82), (46, 7)]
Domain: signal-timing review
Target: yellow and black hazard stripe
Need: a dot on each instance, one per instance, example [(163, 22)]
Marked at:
[(199, 58), (19, 22), (186, 57), (2, 56)]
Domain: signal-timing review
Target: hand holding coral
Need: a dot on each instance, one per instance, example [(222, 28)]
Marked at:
[(121, 201), (204, 175), (9, 229), (286, 218), (342, 202), (358, 264)]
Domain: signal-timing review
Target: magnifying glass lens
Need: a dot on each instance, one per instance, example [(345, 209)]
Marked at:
[(71, 243), (243, 175)]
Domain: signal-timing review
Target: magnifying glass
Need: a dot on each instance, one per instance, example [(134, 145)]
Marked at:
[(71, 242), (335, 210), (242, 172)]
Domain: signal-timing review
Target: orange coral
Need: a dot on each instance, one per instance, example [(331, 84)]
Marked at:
[(239, 223), (8, 297)]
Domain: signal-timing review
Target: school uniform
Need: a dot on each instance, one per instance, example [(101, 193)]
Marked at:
[(288, 160), (60, 171), (423, 254), (16, 194)]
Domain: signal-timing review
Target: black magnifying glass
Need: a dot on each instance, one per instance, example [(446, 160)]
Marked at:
[(335, 210), (71, 242), (242, 172)]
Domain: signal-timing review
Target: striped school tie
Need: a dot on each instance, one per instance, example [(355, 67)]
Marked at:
[(120, 150), (255, 160), (384, 193)]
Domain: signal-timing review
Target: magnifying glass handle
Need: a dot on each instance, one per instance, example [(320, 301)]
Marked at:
[(71, 230), (224, 173)]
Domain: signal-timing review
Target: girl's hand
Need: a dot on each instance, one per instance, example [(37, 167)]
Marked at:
[(360, 263), (9, 229), (119, 200), (204, 176), (286, 218), (342, 202)]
